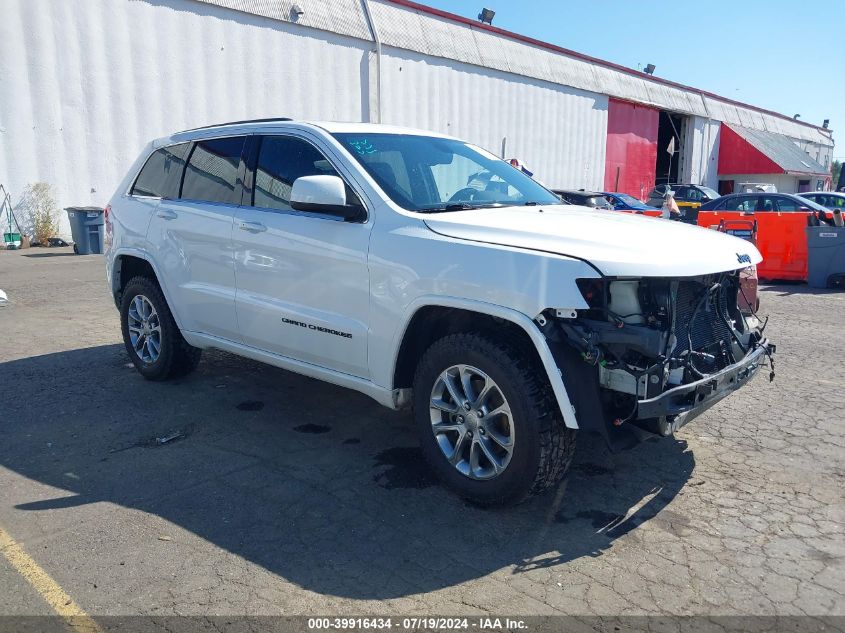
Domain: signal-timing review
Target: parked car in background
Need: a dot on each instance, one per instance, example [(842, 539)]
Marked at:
[(357, 254), (755, 187), (688, 197), (592, 199), (762, 203), (831, 200), (781, 221), (624, 202)]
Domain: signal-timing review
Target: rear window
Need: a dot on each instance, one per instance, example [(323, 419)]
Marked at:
[(162, 173), (212, 171)]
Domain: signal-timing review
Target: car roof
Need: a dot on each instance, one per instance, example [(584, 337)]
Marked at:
[(838, 194), (578, 192), (257, 125)]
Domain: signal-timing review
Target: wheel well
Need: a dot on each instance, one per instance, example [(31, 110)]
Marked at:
[(129, 267), (432, 323)]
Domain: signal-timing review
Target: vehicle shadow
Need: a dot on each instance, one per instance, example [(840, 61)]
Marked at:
[(317, 484)]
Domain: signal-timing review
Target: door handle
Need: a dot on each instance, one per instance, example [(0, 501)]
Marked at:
[(166, 214), (252, 227)]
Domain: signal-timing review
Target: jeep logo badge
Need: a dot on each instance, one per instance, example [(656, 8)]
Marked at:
[(744, 258)]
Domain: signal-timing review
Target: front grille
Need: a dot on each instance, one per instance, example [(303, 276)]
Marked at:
[(708, 332)]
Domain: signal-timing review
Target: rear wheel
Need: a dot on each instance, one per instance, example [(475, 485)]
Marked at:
[(156, 346), (487, 421)]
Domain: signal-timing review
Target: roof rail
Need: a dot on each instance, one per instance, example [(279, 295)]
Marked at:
[(206, 127)]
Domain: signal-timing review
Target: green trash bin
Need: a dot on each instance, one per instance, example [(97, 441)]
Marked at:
[(12, 240), (825, 256), (87, 229)]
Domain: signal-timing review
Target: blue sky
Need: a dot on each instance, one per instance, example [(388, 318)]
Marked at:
[(776, 54)]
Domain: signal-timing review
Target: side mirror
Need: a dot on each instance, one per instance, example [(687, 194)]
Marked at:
[(323, 194)]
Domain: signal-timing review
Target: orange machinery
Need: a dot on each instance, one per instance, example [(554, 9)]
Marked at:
[(781, 239)]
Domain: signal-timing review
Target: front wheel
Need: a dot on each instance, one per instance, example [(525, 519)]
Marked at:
[(488, 423)]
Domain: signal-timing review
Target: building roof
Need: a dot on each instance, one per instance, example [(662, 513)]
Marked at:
[(410, 26), (749, 151)]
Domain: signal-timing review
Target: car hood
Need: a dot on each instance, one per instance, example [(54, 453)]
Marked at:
[(617, 244)]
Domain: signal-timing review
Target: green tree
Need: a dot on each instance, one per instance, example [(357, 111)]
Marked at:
[(835, 170)]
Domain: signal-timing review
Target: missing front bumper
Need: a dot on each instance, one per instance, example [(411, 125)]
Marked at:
[(674, 408)]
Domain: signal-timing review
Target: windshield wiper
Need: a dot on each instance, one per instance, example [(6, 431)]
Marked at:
[(462, 206)]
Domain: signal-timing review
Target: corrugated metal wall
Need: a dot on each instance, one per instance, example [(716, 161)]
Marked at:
[(631, 148), (86, 83), (557, 131), (700, 160)]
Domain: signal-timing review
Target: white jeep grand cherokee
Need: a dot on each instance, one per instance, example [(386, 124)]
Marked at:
[(426, 272)]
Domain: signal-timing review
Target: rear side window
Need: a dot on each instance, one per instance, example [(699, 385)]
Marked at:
[(212, 170), (162, 173), (281, 160)]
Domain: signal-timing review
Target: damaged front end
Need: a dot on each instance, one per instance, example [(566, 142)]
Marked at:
[(654, 353)]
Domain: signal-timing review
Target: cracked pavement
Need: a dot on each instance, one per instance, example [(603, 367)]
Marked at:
[(284, 495)]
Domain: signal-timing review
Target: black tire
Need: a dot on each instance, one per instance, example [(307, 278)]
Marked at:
[(176, 358), (543, 446)]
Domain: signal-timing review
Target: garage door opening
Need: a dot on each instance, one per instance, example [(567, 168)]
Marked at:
[(671, 134)]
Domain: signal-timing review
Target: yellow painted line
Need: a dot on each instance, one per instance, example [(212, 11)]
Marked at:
[(47, 588)]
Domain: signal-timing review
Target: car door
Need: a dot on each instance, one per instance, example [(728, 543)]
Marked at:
[(159, 178), (192, 238), (302, 278)]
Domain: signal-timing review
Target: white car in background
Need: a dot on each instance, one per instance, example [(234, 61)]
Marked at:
[(427, 273)]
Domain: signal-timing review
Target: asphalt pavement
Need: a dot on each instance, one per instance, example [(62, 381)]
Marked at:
[(246, 490)]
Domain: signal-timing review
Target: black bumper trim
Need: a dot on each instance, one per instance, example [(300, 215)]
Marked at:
[(690, 400)]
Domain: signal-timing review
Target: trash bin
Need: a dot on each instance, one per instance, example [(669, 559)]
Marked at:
[(86, 226), (825, 255)]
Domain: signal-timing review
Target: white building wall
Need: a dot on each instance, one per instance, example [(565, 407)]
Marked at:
[(785, 183), (560, 133), (700, 159), (86, 83)]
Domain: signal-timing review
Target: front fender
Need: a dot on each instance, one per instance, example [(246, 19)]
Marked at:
[(508, 314)]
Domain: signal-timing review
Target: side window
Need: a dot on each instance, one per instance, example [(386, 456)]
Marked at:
[(836, 201), (694, 195), (740, 203), (767, 204), (212, 170), (785, 204), (161, 174), (682, 193), (281, 160)]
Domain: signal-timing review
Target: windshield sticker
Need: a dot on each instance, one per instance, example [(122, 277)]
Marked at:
[(363, 146)]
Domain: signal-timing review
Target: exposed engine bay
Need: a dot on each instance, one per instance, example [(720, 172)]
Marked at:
[(664, 350)]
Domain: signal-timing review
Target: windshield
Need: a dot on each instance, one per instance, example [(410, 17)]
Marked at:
[(428, 174), (631, 201), (710, 193)]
